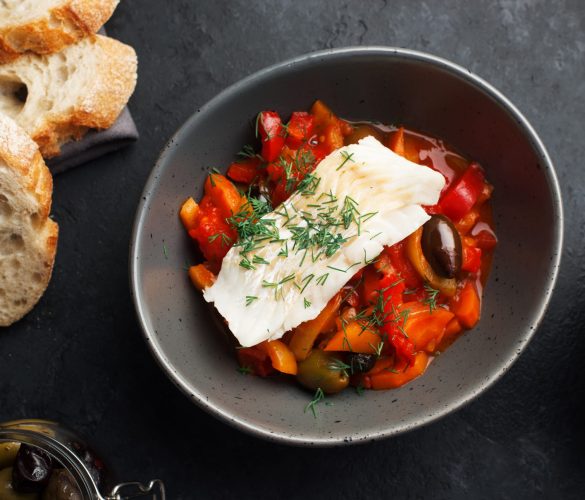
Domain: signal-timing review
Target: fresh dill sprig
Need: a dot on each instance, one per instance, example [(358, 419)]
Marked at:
[(317, 398), (306, 303), (259, 260), (250, 299), (245, 370), (346, 157), (431, 297), (340, 366), (322, 279)]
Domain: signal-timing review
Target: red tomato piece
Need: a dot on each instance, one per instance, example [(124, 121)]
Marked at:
[(485, 240), (244, 171), (271, 133), (299, 129), (403, 266), (471, 259), (256, 360), (463, 193)]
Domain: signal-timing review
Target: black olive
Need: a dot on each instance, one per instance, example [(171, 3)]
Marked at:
[(32, 469), (62, 486), (360, 363), (441, 246)]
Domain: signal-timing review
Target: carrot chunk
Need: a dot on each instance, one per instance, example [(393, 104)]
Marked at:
[(201, 277)]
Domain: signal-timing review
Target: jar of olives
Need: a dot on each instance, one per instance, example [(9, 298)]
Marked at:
[(42, 460)]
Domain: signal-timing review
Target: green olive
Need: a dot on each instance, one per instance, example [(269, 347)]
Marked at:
[(324, 371), (6, 490), (8, 451)]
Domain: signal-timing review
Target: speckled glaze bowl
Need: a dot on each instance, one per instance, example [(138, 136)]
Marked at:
[(392, 86)]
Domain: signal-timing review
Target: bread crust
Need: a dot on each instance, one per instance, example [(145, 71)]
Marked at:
[(21, 156), (61, 26), (110, 82), (114, 82)]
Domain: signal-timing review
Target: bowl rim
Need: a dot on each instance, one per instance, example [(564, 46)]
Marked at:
[(283, 67)]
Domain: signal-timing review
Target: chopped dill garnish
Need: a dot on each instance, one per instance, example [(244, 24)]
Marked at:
[(248, 152), (245, 370), (256, 124), (343, 270), (246, 264), (259, 260), (306, 280), (322, 279), (340, 366), (250, 299), (431, 297), (306, 303), (165, 251), (317, 398), (360, 390), (346, 157)]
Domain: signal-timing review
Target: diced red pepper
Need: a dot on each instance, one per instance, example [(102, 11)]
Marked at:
[(485, 240), (471, 259), (256, 360), (244, 171), (403, 346), (271, 133), (299, 129), (403, 266), (463, 193)]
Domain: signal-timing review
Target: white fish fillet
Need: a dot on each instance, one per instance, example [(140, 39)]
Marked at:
[(381, 183)]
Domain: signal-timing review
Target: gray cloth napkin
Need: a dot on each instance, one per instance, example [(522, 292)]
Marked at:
[(95, 144)]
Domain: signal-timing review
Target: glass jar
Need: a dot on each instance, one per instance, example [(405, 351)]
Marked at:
[(73, 454)]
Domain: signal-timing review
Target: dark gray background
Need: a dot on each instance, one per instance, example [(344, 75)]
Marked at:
[(79, 356)]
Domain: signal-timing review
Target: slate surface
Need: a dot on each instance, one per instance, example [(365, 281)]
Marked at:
[(80, 358)]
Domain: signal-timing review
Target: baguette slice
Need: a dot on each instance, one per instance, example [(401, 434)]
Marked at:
[(58, 97), (28, 238), (47, 26)]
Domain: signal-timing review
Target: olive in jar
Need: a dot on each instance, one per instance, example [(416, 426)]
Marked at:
[(31, 470), (441, 246), (321, 370), (360, 363), (8, 451), (7, 491), (62, 486)]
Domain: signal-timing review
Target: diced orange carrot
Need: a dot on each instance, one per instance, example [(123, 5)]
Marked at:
[(396, 142), (188, 213), (467, 306), (465, 224), (423, 327), (453, 328), (387, 379), (201, 276), (355, 338), (322, 114), (333, 138), (281, 356), (224, 194), (306, 333)]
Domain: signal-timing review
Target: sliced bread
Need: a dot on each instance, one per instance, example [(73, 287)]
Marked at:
[(58, 97), (46, 26), (28, 237)]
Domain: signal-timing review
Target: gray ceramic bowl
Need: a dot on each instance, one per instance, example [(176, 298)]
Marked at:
[(389, 85)]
